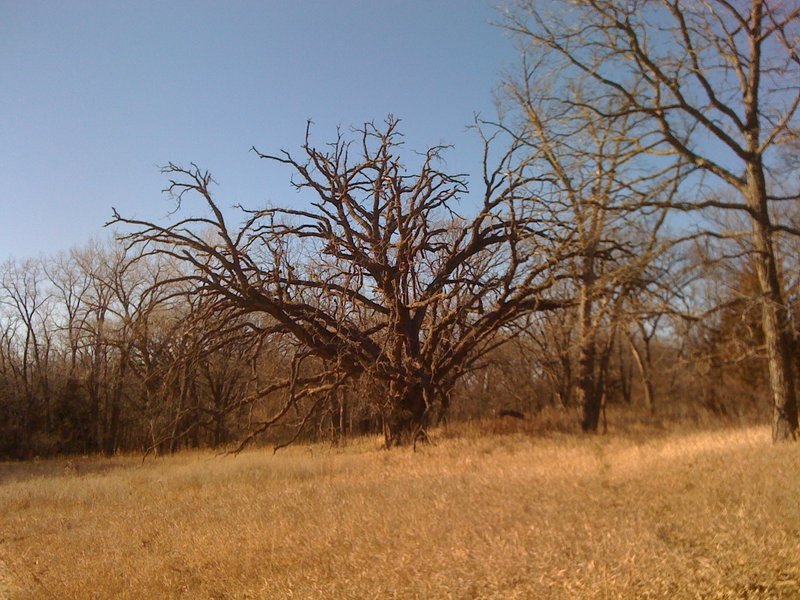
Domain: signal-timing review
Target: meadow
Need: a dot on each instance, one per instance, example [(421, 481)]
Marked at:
[(691, 514)]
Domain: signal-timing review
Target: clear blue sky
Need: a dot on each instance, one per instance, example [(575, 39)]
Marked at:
[(95, 96)]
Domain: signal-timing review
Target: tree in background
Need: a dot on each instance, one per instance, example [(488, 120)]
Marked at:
[(715, 85), (591, 175)]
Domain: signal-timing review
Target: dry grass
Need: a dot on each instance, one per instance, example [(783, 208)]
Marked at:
[(701, 515)]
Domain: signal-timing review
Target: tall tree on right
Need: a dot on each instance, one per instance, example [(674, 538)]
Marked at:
[(715, 84), (588, 181)]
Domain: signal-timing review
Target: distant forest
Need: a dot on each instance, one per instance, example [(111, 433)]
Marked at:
[(633, 240)]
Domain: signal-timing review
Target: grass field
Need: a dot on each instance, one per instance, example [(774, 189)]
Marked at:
[(691, 515)]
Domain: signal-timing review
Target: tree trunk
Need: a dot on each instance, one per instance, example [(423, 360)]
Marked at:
[(588, 395), (643, 365), (342, 417), (625, 376), (407, 417), (775, 318), (587, 391)]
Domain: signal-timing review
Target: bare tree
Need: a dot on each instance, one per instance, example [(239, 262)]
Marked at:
[(376, 277), (715, 84), (590, 174), (29, 328)]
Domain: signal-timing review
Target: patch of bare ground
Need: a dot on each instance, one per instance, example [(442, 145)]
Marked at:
[(700, 515)]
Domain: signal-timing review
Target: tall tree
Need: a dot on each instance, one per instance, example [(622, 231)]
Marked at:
[(589, 174), (377, 277), (715, 84)]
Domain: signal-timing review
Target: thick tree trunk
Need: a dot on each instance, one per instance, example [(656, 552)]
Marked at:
[(407, 417), (587, 391), (775, 318), (587, 388), (781, 372), (220, 432)]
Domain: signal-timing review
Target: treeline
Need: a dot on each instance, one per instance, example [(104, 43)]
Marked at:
[(96, 357)]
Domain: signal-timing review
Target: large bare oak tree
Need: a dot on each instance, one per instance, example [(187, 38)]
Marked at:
[(372, 271)]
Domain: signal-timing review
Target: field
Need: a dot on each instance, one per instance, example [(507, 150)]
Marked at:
[(680, 515)]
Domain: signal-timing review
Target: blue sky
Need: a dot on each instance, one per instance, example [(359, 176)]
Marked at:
[(95, 96)]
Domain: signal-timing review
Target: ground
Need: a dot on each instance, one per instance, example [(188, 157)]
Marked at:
[(679, 515)]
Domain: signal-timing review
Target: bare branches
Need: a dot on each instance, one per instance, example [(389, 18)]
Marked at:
[(377, 275), (712, 86), (710, 72)]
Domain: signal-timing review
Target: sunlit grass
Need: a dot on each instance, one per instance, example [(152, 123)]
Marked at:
[(501, 516)]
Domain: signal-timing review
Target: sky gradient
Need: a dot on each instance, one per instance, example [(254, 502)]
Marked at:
[(95, 96)]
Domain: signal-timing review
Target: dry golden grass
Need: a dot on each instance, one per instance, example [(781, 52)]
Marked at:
[(701, 515)]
